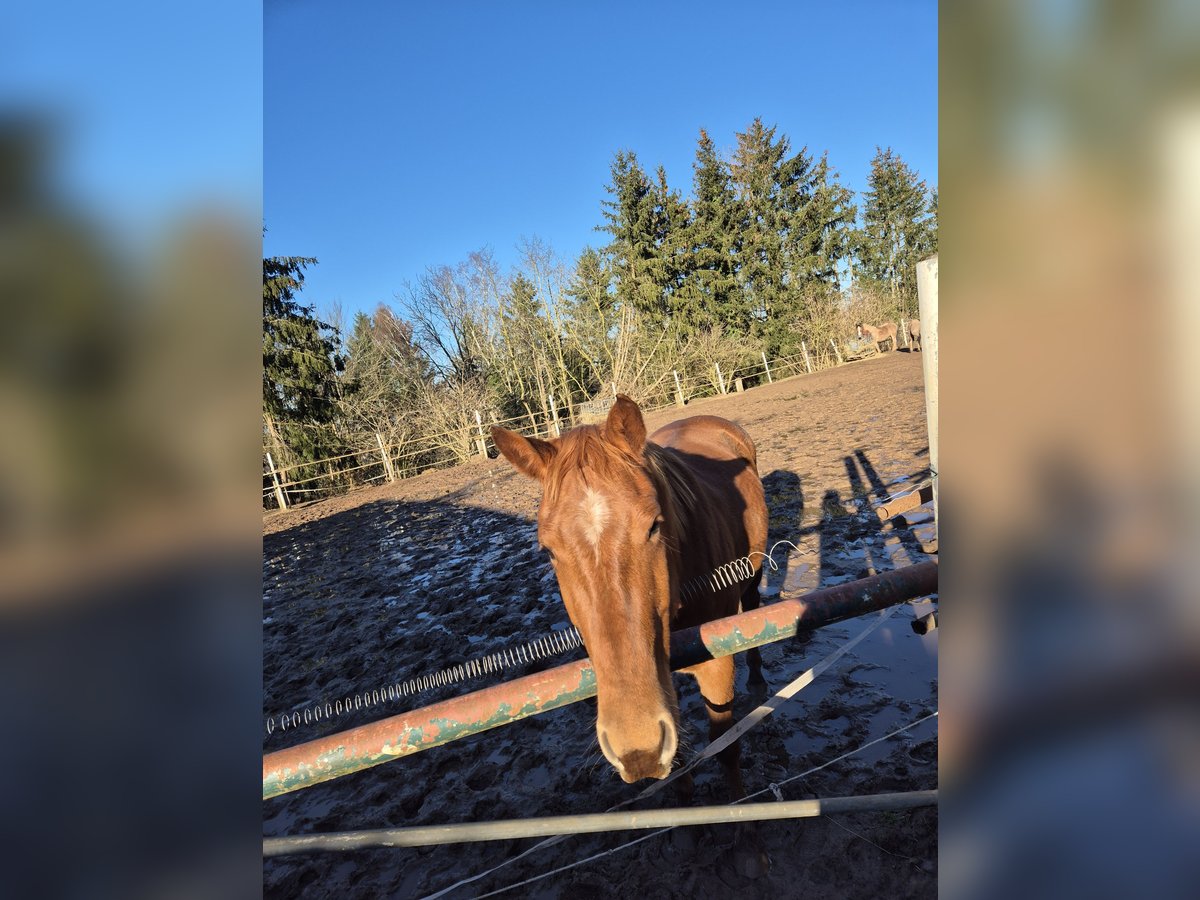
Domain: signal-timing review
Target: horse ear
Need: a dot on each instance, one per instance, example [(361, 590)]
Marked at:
[(625, 426), (529, 456)]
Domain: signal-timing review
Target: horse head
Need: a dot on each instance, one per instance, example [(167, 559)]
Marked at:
[(605, 520)]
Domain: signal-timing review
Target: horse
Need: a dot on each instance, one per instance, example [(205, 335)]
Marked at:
[(629, 522), (885, 332), (914, 334)]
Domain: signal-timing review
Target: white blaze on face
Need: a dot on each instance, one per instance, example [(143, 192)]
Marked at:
[(595, 516)]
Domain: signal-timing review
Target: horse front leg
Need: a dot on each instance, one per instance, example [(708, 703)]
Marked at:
[(715, 680), (750, 601)]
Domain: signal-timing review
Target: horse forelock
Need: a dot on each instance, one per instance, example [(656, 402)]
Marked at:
[(585, 455)]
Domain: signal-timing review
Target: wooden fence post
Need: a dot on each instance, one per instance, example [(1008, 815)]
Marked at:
[(770, 380), (807, 363), (480, 441), (720, 378), (904, 333), (679, 401), (927, 293), (532, 421), (836, 351), (554, 412), (388, 469), (280, 496)]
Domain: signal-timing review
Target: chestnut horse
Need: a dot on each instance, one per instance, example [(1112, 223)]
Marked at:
[(885, 332), (914, 334), (628, 522)]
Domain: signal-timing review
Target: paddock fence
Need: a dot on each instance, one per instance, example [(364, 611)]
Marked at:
[(379, 460)]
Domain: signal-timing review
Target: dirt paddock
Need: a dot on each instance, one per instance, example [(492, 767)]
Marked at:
[(405, 579)]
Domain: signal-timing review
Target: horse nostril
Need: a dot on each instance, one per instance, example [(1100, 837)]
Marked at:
[(669, 742), (607, 750)]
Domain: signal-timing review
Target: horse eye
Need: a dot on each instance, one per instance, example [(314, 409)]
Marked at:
[(654, 529)]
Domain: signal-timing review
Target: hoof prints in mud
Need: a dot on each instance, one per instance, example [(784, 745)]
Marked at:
[(410, 578), (409, 606)]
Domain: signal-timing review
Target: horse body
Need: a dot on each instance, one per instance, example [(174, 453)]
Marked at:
[(914, 333), (884, 332), (628, 523)]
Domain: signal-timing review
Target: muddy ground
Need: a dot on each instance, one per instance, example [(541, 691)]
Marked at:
[(391, 582)]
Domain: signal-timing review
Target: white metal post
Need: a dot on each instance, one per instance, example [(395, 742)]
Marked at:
[(927, 294)]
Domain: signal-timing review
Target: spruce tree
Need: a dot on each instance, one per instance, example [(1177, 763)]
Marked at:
[(756, 171), (670, 267), (300, 364), (713, 295), (899, 229), (795, 230), (633, 222), (819, 225)]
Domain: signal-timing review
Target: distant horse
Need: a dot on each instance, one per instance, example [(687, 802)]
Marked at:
[(914, 334), (628, 522), (885, 332)]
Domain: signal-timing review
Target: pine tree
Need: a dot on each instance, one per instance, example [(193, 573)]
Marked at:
[(670, 268), (633, 222), (899, 229), (591, 309), (300, 364), (713, 295), (756, 172), (819, 221), (796, 226)]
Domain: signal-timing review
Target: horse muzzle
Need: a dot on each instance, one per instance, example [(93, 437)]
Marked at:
[(634, 762)]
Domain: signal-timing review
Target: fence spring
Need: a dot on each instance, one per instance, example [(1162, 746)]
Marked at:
[(552, 644), (718, 579)]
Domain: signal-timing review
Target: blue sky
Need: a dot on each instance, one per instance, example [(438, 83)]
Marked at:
[(156, 108), (398, 136)]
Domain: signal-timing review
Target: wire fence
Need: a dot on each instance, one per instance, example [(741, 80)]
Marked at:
[(382, 460)]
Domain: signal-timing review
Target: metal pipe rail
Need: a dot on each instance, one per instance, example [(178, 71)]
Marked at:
[(591, 823), (335, 755)]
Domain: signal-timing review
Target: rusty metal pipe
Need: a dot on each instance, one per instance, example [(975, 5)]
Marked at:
[(911, 500), (378, 742)]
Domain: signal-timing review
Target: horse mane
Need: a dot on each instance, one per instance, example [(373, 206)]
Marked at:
[(673, 480)]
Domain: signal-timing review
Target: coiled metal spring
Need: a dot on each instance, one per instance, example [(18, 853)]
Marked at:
[(552, 644), (718, 579)]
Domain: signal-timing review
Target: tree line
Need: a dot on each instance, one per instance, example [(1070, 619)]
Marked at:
[(768, 249)]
